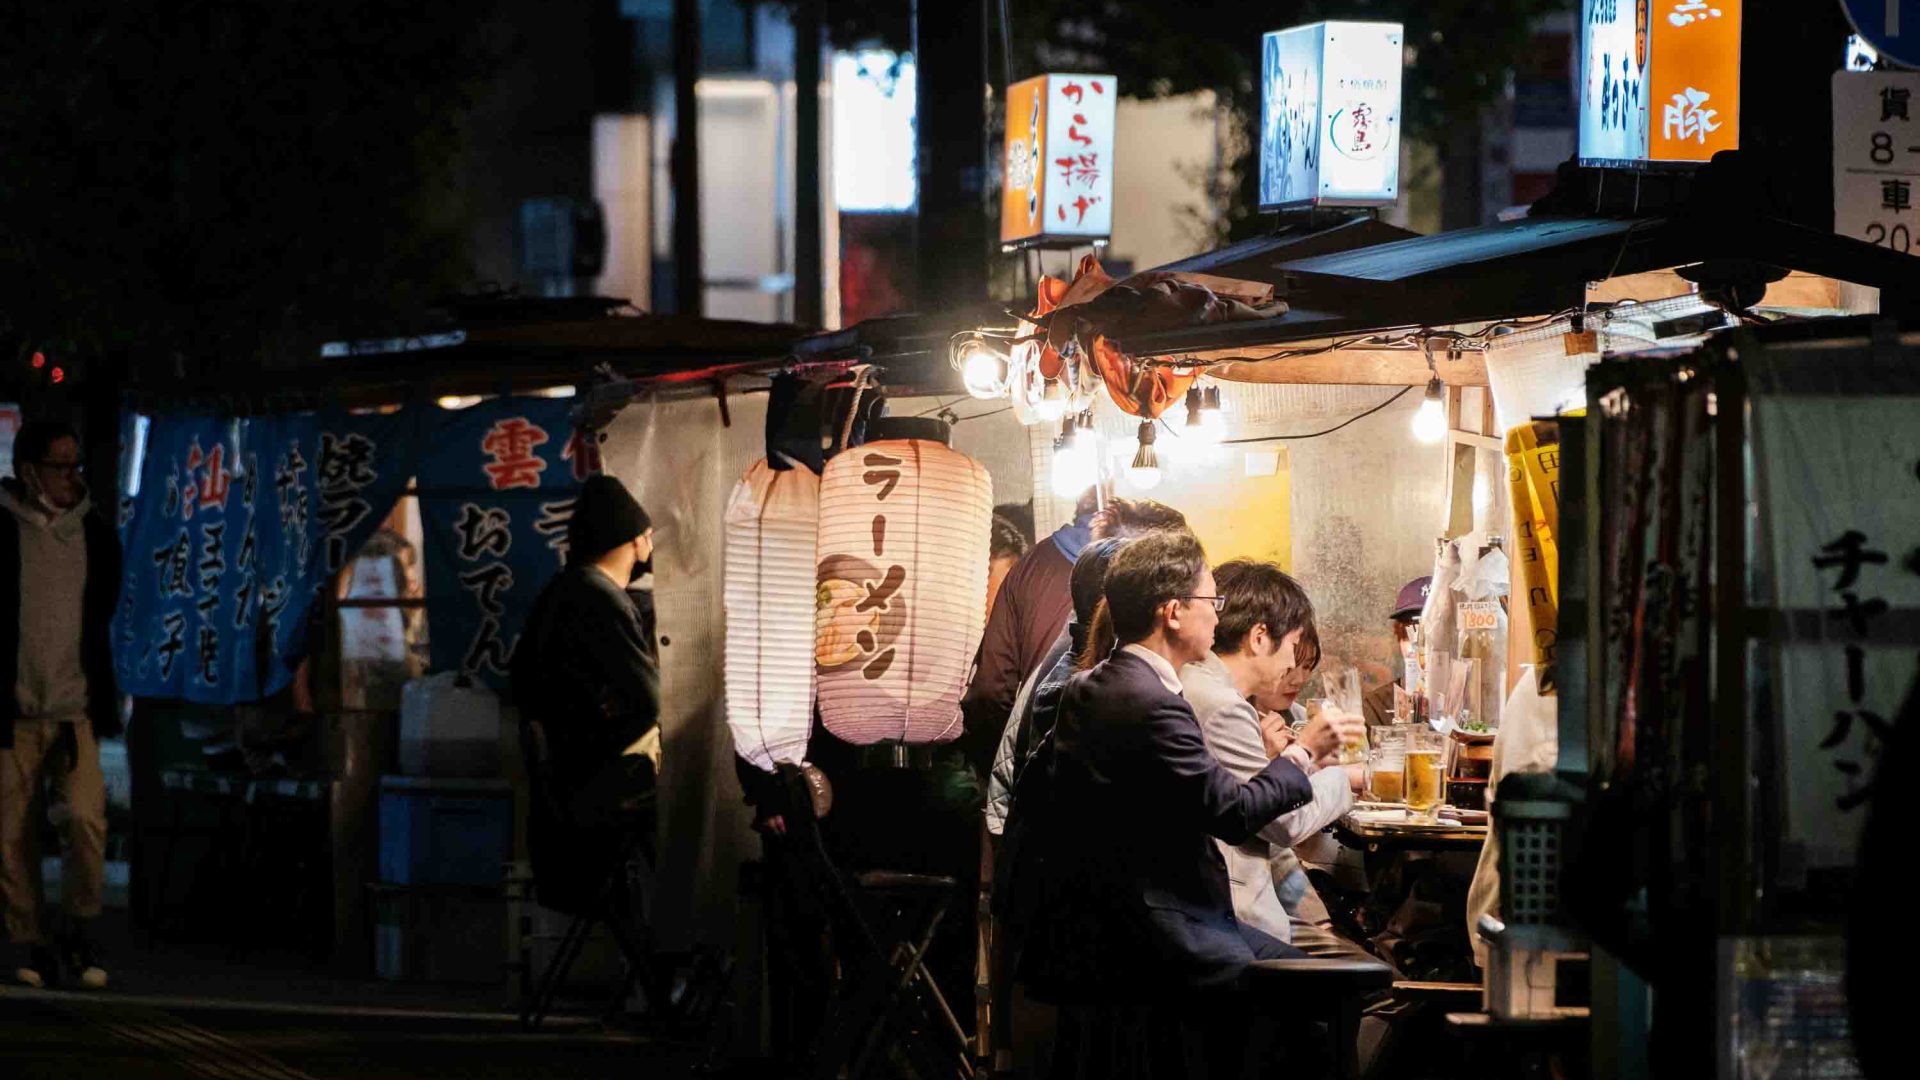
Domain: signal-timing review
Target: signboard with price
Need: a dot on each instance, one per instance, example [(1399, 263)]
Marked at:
[(1876, 157)]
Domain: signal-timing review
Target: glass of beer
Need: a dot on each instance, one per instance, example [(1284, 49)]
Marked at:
[(1424, 773), (1386, 772)]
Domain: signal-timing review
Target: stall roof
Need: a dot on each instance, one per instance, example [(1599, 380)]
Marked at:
[(1530, 267), (520, 344), (1264, 258)]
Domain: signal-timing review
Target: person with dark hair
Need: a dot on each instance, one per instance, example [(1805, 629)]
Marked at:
[(59, 581), (1137, 898), (1038, 702), (1005, 544), (1234, 691), (1032, 608)]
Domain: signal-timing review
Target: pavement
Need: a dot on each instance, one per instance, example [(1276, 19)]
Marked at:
[(184, 1012)]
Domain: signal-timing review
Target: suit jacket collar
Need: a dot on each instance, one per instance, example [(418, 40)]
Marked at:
[(1163, 670)]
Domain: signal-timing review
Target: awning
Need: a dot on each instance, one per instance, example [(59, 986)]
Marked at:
[(1529, 268)]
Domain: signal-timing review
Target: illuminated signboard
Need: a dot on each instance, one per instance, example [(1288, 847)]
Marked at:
[(1059, 166), (873, 139), (1330, 115), (1660, 81)]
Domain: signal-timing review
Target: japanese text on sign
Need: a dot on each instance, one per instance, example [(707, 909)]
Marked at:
[(1876, 157)]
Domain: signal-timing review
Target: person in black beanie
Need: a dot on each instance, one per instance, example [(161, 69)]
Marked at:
[(583, 671)]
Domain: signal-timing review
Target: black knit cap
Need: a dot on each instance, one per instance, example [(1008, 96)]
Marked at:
[(606, 516)]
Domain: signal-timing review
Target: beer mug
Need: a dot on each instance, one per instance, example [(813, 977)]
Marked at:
[(1425, 774), (1386, 766)]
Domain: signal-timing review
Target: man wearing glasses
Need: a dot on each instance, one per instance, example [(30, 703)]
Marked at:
[(1136, 895), (59, 577)]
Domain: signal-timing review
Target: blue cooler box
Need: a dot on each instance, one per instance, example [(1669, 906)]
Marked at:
[(445, 831)]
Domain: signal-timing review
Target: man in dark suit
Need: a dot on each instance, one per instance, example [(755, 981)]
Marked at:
[(1137, 898)]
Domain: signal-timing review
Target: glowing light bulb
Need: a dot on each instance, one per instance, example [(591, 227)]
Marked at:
[(1430, 422), (1075, 469), (1052, 406), (982, 370)]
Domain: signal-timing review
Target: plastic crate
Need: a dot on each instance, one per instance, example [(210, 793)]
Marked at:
[(445, 832)]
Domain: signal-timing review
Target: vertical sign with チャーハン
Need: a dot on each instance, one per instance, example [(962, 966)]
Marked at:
[(497, 489), (1876, 157), (1057, 185)]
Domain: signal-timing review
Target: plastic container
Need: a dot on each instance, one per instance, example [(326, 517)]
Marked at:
[(448, 730), (444, 832)]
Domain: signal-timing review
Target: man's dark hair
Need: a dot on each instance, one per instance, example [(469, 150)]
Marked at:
[(36, 437), (1128, 518), (1148, 572), (1257, 592), (1006, 541)]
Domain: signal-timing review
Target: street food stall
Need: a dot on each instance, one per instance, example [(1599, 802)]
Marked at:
[(1194, 384)]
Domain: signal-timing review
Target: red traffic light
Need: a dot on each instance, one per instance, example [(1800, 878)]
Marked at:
[(59, 375), (39, 360)]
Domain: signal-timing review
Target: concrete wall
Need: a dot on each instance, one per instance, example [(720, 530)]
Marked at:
[(1365, 503)]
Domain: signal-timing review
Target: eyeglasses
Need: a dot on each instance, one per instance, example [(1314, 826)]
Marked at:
[(1219, 602)]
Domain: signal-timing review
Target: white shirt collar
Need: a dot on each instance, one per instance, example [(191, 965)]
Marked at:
[(1169, 678)]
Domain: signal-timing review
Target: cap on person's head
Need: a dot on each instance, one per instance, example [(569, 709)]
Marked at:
[(1090, 576), (1412, 599), (606, 516)]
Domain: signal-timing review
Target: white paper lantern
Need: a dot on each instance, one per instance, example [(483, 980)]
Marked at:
[(772, 524), (902, 589)]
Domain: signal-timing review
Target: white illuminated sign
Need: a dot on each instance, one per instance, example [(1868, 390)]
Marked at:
[(873, 138), (1330, 115)]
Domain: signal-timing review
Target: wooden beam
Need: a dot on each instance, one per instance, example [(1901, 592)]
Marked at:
[(1797, 290), (1342, 367)]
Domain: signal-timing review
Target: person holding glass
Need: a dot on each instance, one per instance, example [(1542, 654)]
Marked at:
[(1264, 615)]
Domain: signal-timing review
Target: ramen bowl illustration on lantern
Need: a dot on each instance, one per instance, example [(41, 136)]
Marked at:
[(858, 615)]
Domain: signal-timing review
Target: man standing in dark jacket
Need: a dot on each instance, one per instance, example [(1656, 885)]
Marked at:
[(584, 671), (59, 579), (1032, 608), (1137, 897)]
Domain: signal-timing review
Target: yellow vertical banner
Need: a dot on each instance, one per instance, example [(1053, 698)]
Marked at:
[(1533, 477)]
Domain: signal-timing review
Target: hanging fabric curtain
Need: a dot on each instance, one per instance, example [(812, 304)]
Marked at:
[(901, 586), (772, 532), (230, 527), (497, 484)]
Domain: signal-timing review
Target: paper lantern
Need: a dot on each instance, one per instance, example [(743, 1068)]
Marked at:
[(902, 586), (772, 524)]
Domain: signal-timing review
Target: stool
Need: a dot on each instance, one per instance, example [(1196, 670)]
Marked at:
[(1328, 990), (881, 924), (228, 795), (284, 846)]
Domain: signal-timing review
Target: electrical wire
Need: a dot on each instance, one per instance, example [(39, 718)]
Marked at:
[(1403, 392)]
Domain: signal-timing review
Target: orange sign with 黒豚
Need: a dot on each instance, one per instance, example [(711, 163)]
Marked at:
[(1694, 83), (1022, 197)]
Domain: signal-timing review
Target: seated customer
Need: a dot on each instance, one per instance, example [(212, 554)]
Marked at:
[(1261, 624), (1137, 901)]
